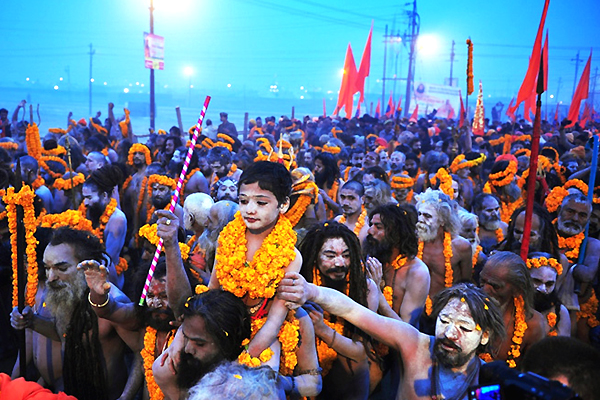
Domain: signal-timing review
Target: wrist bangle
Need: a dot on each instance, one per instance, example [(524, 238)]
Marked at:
[(98, 305), (333, 340)]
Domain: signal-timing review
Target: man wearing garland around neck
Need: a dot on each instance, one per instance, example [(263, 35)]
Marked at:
[(447, 255), (332, 258), (306, 205), (194, 181), (440, 366), (544, 271), (492, 229), (327, 178), (505, 277), (138, 160), (501, 182), (31, 177), (573, 215), (161, 189), (109, 223), (220, 159), (402, 188), (93, 362), (354, 215), (355, 164)]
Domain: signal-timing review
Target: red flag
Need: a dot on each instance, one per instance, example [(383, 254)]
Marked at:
[(545, 61), (529, 107), (528, 85), (399, 108), (365, 67), (587, 114), (463, 112), (389, 111), (378, 109), (415, 115), (556, 113), (510, 112), (581, 93), (348, 88)]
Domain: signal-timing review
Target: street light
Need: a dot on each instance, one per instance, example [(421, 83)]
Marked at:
[(189, 71)]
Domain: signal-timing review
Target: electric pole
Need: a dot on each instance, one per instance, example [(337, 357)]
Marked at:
[(577, 61), (394, 39), (593, 87), (412, 39), (152, 106), (91, 53), (452, 54), (385, 41)]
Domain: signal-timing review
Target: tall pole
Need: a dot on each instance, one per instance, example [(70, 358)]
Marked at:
[(385, 42), (577, 60), (593, 87), (452, 54), (91, 53), (411, 56), (152, 106)]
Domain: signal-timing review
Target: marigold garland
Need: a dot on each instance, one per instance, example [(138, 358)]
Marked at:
[(149, 233), (139, 148), (124, 125), (331, 149), (401, 182), (142, 195), (9, 145), (388, 291), (545, 262), (460, 162), (65, 183), (125, 185), (507, 209), (499, 234), (519, 333), (225, 138), (445, 182), (476, 256), (555, 198), (428, 305), (571, 245), (71, 218), (33, 142), (588, 310), (39, 182), (44, 165), (360, 222), (224, 144), (260, 277), (295, 213), (504, 177), (551, 317), (57, 152), (148, 355), (347, 173), (108, 212), (332, 193), (23, 198), (449, 278)]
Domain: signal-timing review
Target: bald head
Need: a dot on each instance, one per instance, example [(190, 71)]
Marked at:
[(220, 214), (195, 211), (95, 160)]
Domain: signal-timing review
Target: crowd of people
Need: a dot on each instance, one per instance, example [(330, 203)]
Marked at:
[(326, 257)]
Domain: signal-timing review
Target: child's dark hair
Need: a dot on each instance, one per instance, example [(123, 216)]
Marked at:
[(270, 176)]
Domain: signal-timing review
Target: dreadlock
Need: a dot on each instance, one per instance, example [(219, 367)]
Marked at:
[(105, 179), (549, 240), (357, 280), (83, 368)]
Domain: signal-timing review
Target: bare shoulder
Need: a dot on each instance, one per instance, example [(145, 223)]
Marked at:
[(418, 271), (296, 262), (536, 330), (461, 244)]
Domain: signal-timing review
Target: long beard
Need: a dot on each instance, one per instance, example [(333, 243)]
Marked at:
[(321, 179), (380, 250), (569, 229), (491, 225), (158, 323), (95, 211), (62, 298), (191, 370), (543, 302), (160, 202), (426, 233)]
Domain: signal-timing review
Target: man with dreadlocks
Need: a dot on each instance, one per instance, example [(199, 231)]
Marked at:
[(446, 364), (93, 363), (108, 221), (30, 175), (332, 258)]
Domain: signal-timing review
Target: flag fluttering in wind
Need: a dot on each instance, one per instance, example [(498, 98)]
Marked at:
[(389, 111), (399, 107), (509, 113), (587, 114), (415, 115), (581, 93), (478, 119), (365, 67), (348, 87), (378, 109), (529, 83)]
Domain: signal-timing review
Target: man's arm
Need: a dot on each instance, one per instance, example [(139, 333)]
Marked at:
[(114, 239), (29, 319), (465, 263), (587, 271), (417, 289), (15, 116), (399, 335), (178, 285)]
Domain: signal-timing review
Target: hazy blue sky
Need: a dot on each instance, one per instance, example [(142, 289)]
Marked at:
[(253, 44)]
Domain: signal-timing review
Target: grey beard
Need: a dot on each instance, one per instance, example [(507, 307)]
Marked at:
[(491, 225), (567, 230), (426, 233), (63, 300)]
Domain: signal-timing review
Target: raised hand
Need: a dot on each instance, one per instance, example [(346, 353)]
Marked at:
[(96, 276)]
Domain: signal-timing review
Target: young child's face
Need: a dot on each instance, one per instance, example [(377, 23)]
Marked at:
[(258, 207)]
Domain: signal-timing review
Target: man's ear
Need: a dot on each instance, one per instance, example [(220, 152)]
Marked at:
[(485, 338), (283, 207)]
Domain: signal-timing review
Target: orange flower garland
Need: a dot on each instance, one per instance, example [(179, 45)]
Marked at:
[(445, 182), (295, 213), (126, 184), (476, 255), (71, 218), (33, 142), (139, 148), (449, 275), (555, 198), (149, 233), (588, 310), (260, 277), (124, 125), (360, 222), (571, 245), (142, 195), (65, 184), (326, 354), (460, 162), (520, 328), (23, 198), (161, 180), (331, 149), (503, 178), (9, 145), (545, 262), (499, 234), (388, 291), (108, 212), (57, 152), (332, 193), (39, 181), (551, 317), (507, 209), (148, 355)]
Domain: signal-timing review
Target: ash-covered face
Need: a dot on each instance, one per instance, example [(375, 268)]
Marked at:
[(428, 222), (334, 259)]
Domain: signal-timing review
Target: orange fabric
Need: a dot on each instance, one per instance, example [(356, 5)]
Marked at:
[(20, 389)]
